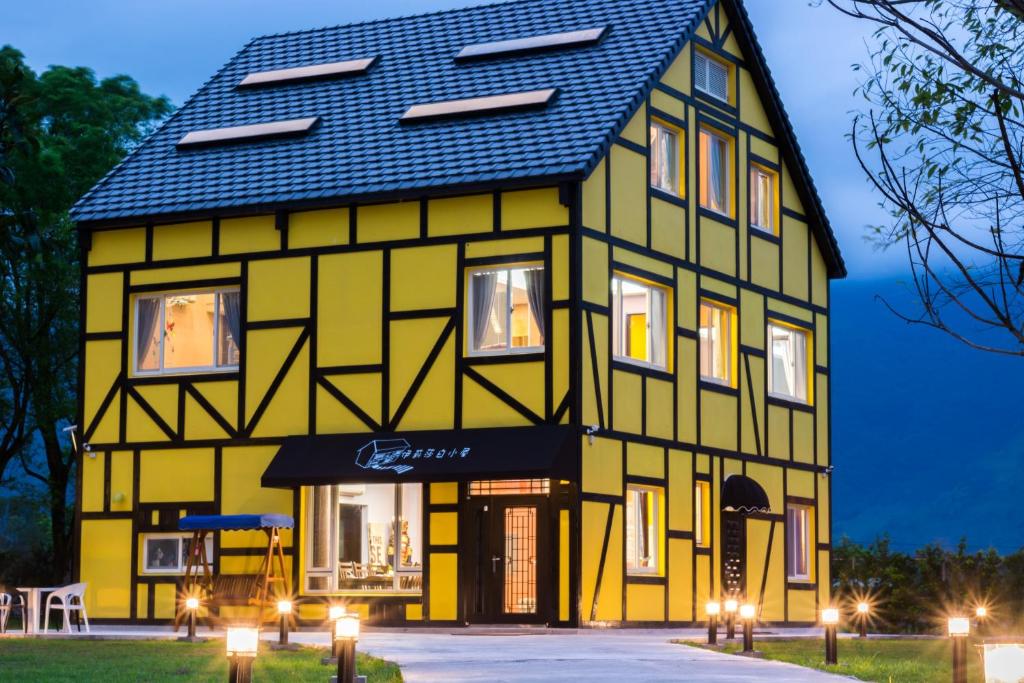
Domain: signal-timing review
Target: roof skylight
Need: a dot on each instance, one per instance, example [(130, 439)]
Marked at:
[(550, 41), (258, 131), (476, 105), (308, 73)]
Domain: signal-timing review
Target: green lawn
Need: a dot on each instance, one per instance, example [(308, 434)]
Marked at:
[(121, 661), (884, 661)]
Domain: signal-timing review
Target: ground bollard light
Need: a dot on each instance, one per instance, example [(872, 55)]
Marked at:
[(863, 610), (334, 612), (747, 614), (242, 643), (192, 605), (981, 618), (1004, 661), (958, 629), (713, 608), (830, 618), (346, 635), (730, 618), (284, 610)]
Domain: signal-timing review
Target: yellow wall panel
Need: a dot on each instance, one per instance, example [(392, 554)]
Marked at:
[(636, 130), (326, 228), (752, 322), (117, 246), (718, 420), (254, 233), (752, 414), (412, 269), (288, 411), (564, 564), (444, 528), (668, 228), (687, 389), (411, 343), (532, 209), (444, 586), (163, 398), (790, 198), (104, 302), (667, 103), (677, 75), (645, 602), (460, 215), (803, 436), (802, 605), (278, 289), (680, 491), (628, 195), (647, 263), (414, 612), (643, 460), (590, 405), (522, 381), (609, 602), (199, 424), (92, 482), (794, 258), (758, 553), (594, 193), (241, 469), (680, 579), (384, 222), (164, 598), (432, 407), (703, 581), (717, 246), (821, 413), (363, 389), (102, 365), (819, 275), (266, 352), (444, 493), (223, 396), (140, 427), (481, 408), (176, 475), (602, 467), (349, 307), (764, 263), (559, 340), (771, 480), (502, 247), (626, 415), (752, 111), (106, 567), (596, 284), (560, 267), (334, 418), (778, 432), (141, 601), (686, 299), (800, 483), (659, 408), (823, 518), (821, 340), (182, 240), (121, 480), (212, 271)]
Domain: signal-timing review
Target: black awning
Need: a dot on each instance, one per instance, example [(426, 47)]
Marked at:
[(545, 451), (742, 494)]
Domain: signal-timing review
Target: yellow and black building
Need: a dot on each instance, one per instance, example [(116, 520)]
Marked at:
[(520, 311)]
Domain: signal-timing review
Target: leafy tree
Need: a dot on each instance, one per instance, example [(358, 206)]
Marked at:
[(943, 142), (61, 132)]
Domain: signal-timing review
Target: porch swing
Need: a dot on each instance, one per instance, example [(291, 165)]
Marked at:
[(234, 590)]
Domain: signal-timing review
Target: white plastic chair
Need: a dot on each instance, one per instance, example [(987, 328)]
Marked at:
[(7, 605), (71, 599)]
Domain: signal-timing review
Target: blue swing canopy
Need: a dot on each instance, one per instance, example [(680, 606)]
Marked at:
[(235, 522)]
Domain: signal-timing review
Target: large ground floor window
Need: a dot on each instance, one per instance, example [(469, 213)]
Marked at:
[(364, 537)]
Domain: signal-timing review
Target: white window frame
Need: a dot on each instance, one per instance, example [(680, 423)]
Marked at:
[(791, 549), (649, 352), (758, 170), (183, 540), (162, 298), (728, 312), (470, 320), (705, 171), (665, 129), (331, 572), (658, 494), (708, 61), (769, 342)]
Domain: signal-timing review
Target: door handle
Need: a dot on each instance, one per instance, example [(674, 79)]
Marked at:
[(494, 564)]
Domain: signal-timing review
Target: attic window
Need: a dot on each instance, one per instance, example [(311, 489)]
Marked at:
[(533, 44), (711, 76), (308, 73), (475, 105), (258, 131)]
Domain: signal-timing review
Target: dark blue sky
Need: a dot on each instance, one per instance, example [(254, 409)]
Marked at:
[(927, 439)]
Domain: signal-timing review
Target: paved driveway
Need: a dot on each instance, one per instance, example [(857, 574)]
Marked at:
[(621, 656)]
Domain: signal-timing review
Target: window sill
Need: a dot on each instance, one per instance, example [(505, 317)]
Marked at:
[(721, 217), (641, 367), (801, 584), (764, 233), (186, 372), (645, 578), (534, 353), (789, 401), (667, 196)]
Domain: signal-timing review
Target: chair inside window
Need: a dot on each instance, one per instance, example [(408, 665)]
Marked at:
[(68, 599)]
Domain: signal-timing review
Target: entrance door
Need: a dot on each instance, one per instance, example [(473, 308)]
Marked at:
[(509, 563), (734, 554)]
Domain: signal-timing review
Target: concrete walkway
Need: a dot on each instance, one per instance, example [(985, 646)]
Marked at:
[(620, 656)]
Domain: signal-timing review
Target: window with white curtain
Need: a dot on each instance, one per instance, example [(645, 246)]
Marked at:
[(639, 322), (714, 171), (187, 332), (665, 157), (711, 76), (506, 310), (787, 367), (716, 342), (762, 199), (643, 510), (798, 542)]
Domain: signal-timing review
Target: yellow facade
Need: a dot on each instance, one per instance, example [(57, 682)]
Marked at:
[(354, 320)]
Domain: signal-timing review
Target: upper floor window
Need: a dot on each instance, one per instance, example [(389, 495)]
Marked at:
[(506, 310), (798, 542), (762, 198), (711, 76), (714, 171), (787, 367), (640, 322), (643, 512), (187, 332), (716, 342), (665, 166)]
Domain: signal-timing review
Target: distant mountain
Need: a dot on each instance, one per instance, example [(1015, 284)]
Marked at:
[(928, 434)]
